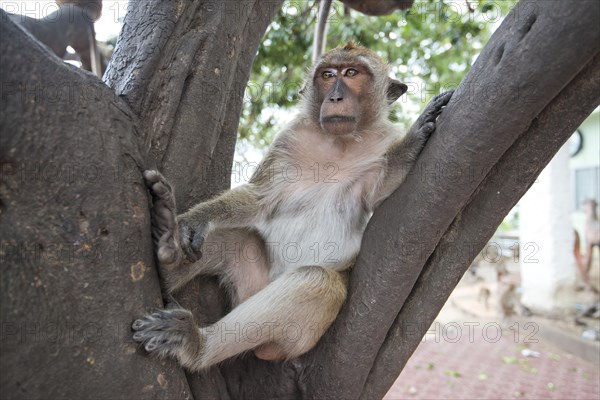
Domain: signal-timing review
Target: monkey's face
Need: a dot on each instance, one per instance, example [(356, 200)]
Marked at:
[(343, 89), (350, 90)]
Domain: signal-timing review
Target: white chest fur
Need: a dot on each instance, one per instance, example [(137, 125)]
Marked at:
[(322, 203)]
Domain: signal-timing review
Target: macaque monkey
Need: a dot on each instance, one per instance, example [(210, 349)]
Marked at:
[(281, 242), (592, 232)]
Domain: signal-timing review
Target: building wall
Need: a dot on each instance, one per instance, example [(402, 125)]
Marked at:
[(547, 218), (588, 157), (548, 271)]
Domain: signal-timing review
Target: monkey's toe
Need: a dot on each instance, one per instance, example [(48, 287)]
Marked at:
[(151, 176), (158, 185), (137, 325), (168, 250), (167, 255)]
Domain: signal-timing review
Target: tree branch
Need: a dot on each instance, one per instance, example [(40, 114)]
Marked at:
[(189, 84), (503, 93), (184, 67), (476, 223)]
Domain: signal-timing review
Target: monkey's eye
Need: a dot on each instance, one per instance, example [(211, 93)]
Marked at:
[(328, 75), (351, 72)]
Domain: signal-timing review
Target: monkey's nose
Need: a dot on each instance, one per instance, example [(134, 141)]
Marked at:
[(335, 99)]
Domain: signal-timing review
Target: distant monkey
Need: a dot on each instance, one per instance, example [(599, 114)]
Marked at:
[(71, 25), (592, 239), (281, 242), (484, 296)]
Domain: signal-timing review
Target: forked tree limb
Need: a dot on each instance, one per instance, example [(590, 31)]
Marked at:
[(534, 82), (514, 173)]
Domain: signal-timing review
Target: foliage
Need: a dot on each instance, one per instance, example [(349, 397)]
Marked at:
[(430, 48)]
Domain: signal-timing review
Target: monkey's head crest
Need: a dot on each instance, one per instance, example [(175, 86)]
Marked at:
[(350, 52), (351, 45)]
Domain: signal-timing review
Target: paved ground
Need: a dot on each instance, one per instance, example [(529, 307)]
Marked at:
[(490, 362), (477, 368)]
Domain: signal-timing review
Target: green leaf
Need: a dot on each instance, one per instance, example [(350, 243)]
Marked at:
[(453, 373), (509, 360)]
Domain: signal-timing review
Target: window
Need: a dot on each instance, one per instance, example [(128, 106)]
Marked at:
[(586, 186)]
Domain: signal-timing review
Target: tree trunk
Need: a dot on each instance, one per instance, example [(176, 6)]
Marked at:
[(77, 259)]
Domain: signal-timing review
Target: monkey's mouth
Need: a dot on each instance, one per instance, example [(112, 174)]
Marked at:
[(337, 119)]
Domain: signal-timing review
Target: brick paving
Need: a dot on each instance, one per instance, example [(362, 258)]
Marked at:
[(473, 366)]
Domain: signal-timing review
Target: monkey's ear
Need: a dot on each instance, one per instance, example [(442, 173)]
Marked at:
[(395, 90)]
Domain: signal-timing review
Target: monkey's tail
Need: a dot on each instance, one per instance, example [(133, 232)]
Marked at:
[(94, 53)]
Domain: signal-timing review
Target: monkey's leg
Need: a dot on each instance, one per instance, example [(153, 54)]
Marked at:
[(236, 256), (236, 208), (292, 312), (246, 266)]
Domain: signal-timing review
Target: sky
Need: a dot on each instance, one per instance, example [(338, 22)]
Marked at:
[(107, 26)]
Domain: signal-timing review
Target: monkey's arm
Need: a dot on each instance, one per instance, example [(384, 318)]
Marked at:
[(234, 209), (402, 155)]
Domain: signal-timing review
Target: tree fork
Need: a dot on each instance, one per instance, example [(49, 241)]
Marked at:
[(163, 67)]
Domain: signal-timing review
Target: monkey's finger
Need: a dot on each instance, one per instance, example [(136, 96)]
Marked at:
[(185, 238), (435, 107), (444, 97), (160, 190), (189, 254), (441, 100), (427, 129), (197, 243)]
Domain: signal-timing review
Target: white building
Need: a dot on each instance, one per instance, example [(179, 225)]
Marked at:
[(548, 214)]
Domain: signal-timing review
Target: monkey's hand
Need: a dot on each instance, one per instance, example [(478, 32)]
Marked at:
[(168, 333), (192, 231), (425, 124), (164, 225)]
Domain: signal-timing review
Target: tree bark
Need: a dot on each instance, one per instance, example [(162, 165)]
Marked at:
[(77, 258)]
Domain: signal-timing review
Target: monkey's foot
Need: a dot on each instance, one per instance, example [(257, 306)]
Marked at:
[(168, 333), (164, 224)]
